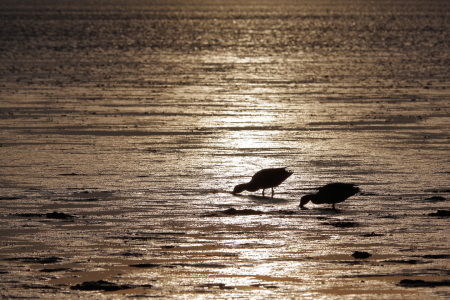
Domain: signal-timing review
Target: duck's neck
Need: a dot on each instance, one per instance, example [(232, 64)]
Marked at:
[(251, 187)]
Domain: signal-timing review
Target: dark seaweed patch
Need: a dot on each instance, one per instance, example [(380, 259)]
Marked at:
[(200, 265), (372, 234), (145, 265), (438, 191), (436, 198), (235, 212), (342, 224), (408, 261), (168, 247), (441, 213), (388, 216), (212, 285), (29, 215), (77, 199), (103, 285), (71, 174), (134, 254), (242, 212), (423, 283), (9, 198), (361, 254), (436, 256), (46, 260), (57, 215), (39, 260)]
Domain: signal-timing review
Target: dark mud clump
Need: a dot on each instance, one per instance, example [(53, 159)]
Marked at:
[(168, 247), (388, 216), (242, 212), (46, 260), (407, 261), (72, 174), (361, 254), (438, 191), (53, 215), (435, 198), (423, 283), (441, 213), (342, 224), (436, 256), (128, 253), (77, 200), (39, 260), (9, 198), (101, 285), (57, 215), (29, 215), (201, 265), (145, 265), (373, 234)]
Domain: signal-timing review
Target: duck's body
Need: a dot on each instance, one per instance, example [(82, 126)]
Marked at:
[(331, 194), (264, 179)]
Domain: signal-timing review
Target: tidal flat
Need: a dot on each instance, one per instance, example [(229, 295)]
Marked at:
[(125, 126)]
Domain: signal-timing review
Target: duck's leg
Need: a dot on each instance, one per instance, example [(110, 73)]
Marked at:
[(263, 192), (333, 206), (272, 192)]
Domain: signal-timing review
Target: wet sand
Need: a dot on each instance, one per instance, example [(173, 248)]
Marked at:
[(124, 128)]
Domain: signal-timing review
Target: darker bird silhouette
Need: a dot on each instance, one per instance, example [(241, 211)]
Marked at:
[(264, 179), (331, 193)]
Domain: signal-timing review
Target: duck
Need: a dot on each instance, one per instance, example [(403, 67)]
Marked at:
[(264, 179), (331, 193)]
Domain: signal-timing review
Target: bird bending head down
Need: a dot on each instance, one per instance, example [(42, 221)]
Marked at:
[(305, 199), (264, 179), (331, 193), (239, 188)]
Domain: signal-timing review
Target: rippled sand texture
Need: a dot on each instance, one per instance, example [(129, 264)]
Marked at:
[(125, 125)]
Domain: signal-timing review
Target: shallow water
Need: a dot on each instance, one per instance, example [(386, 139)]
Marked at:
[(134, 122)]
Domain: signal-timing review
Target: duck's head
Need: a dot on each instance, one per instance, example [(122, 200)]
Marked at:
[(305, 199), (239, 188)]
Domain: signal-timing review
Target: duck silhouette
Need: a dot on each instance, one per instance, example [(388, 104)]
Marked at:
[(331, 193), (264, 179)]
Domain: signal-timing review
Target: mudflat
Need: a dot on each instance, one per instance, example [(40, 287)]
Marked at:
[(125, 126)]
